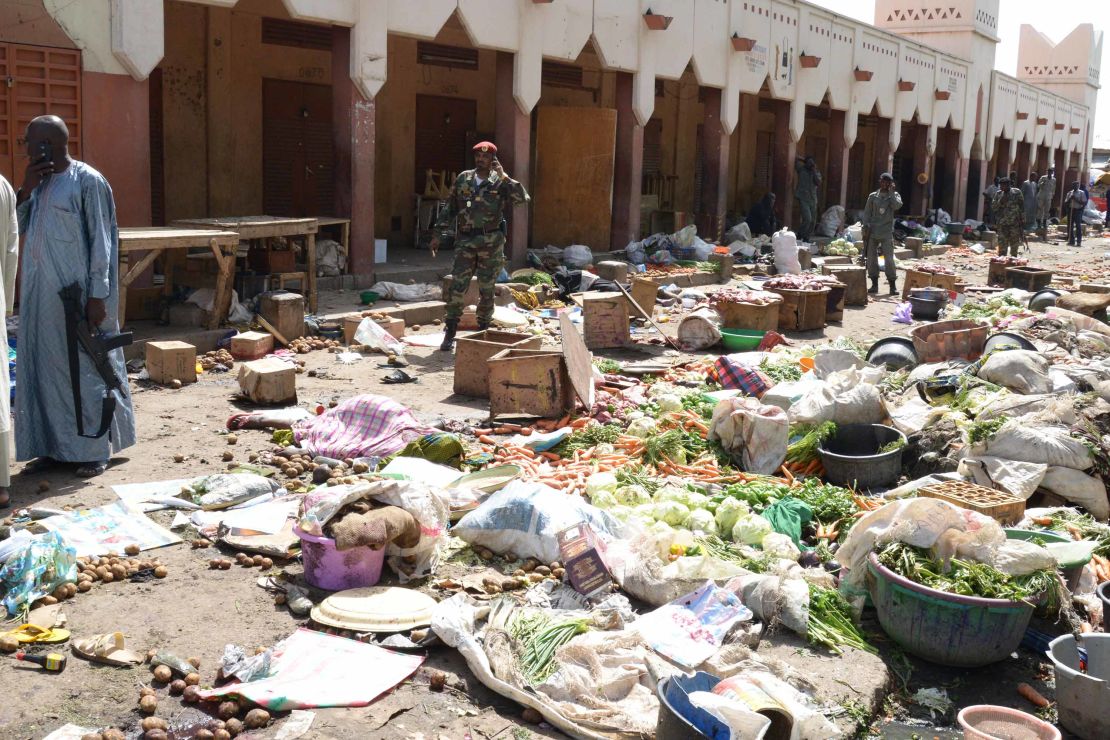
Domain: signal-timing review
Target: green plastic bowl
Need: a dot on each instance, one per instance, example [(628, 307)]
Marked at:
[(741, 340), (370, 296)]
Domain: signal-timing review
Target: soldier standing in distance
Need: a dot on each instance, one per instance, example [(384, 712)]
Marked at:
[(478, 201), (1009, 217)]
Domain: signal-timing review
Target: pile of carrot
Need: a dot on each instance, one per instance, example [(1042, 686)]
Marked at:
[(565, 474), (1101, 567), (687, 420), (805, 469)]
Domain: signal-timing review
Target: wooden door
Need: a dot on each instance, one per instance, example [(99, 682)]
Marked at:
[(575, 152), (34, 81), (443, 126), (298, 161)]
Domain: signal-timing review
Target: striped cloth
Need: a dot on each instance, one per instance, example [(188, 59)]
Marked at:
[(363, 426), (733, 374)]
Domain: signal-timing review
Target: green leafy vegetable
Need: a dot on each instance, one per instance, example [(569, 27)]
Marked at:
[(716, 547), (539, 638), (804, 449), (588, 437), (829, 503), (781, 371), (981, 431), (535, 278), (965, 577), (892, 446), (607, 366), (830, 622)]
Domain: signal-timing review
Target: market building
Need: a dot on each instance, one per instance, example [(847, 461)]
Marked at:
[(622, 117)]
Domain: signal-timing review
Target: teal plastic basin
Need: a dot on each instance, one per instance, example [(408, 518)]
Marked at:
[(944, 628)]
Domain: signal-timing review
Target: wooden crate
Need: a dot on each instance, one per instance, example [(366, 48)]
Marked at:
[(916, 245), (996, 273), (473, 351), (605, 320), (1003, 507), (167, 361), (855, 282), (530, 382), (950, 340), (644, 292), (392, 324), (834, 303), (749, 316), (918, 279), (1028, 278), (802, 310)]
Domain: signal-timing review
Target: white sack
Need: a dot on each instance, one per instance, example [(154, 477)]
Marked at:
[(400, 292), (1021, 557), (914, 415), (700, 329), (1020, 370), (846, 397), (1048, 445), (758, 433), (785, 245), (831, 221), (1019, 478), (1079, 488)]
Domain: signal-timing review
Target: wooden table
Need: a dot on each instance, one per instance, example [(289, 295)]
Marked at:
[(264, 228), (155, 240)]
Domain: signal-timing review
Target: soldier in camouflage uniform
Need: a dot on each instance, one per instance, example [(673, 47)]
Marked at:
[(478, 200), (1009, 217)]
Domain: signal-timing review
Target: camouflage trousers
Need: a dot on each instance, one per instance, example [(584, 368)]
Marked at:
[(482, 255), (1009, 238)]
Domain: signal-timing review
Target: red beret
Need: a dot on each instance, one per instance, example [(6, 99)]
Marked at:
[(485, 146)]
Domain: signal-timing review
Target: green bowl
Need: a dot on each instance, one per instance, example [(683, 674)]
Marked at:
[(741, 340), (370, 296)]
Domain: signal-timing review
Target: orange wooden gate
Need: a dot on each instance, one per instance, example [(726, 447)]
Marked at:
[(35, 80)]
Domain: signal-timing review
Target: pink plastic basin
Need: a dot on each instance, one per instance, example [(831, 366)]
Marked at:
[(990, 722), (334, 570)]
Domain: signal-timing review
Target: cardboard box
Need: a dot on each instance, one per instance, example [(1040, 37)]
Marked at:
[(285, 312), (583, 555), (252, 345), (166, 361), (393, 325), (268, 381)]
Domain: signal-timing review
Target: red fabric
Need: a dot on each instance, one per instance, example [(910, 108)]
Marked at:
[(485, 146)]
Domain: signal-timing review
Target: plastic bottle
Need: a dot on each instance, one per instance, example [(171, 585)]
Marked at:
[(55, 662)]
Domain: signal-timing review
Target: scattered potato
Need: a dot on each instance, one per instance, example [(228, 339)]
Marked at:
[(177, 687), (256, 718), (191, 695), (228, 709), (132, 549), (194, 661), (163, 673), (153, 723), (192, 679), (161, 571), (148, 704)]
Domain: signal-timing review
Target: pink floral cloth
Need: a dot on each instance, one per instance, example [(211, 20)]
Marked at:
[(363, 426)]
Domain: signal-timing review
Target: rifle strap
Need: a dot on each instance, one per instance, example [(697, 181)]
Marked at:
[(107, 404)]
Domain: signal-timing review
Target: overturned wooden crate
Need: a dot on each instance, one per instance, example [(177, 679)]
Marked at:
[(1028, 278), (919, 279), (473, 351), (802, 310), (855, 282), (605, 319), (529, 382)]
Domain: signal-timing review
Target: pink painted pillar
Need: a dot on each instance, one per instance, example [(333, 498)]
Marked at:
[(782, 171), (628, 168), (513, 136), (714, 170), (354, 141)]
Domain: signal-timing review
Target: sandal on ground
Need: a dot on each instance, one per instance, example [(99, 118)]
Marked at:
[(33, 633), (91, 469), (109, 649), (39, 465)]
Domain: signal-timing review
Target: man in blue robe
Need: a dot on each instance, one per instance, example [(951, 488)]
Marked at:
[(68, 216)]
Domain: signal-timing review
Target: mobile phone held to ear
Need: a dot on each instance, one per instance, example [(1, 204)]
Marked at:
[(44, 153)]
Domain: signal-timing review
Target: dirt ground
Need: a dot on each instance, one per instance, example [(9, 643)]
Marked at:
[(196, 611)]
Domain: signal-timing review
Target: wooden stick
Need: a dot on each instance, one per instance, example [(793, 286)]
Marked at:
[(270, 328), (647, 316)]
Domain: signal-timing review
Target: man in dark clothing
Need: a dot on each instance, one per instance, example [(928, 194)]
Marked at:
[(1075, 202), (761, 218)]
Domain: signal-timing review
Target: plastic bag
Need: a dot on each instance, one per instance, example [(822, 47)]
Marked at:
[(635, 253), (757, 433), (1020, 370), (685, 237), (371, 334), (577, 256), (237, 313), (408, 293), (831, 221), (741, 232), (222, 490), (702, 249), (523, 518), (1087, 491), (785, 245), (38, 567)]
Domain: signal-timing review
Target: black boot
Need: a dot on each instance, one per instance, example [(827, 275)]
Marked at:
[(483, 325), (449, 336), (874, 285), (893, 286)]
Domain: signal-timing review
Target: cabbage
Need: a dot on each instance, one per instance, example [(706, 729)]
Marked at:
[(673, 493), (751, 529), (632, 495), (603, 498), (669, 403), (660, 389), (644, 511), (624, 513), (728, 511), (780, 546), (598, 482), (700, 520), (642, 428), (696, 500), (672, 513), (634, 415)]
